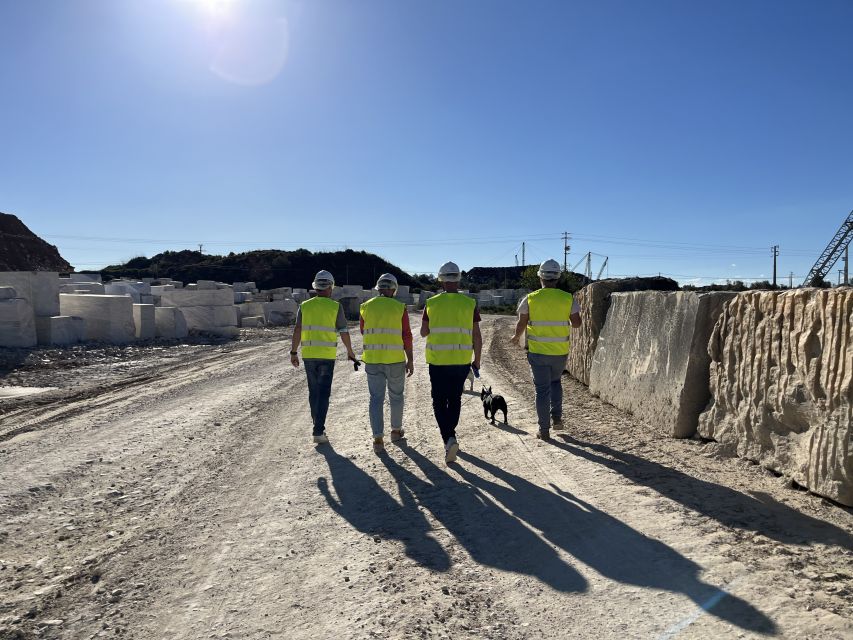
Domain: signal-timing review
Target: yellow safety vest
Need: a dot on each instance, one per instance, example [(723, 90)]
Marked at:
[(383, 331), (319, 337), (451, 329), (548, 328)]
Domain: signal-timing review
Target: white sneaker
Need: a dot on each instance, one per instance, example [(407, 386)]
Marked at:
[(321, 439), (450, 450)]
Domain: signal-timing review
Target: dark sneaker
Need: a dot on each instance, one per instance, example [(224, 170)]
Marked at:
[(397, 434), (378, 446), (557, 424), (450, 450), (543, 435), (321, 439)]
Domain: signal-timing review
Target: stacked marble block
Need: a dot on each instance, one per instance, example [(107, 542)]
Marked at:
[(206, 308), (29, 310)]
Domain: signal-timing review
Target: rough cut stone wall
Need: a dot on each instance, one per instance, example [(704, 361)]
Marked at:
[(782, 385), (594, 301), (652, 356)]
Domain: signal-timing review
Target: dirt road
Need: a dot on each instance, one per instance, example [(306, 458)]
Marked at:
[(190, 503)]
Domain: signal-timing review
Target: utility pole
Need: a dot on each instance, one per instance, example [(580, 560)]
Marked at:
[(522, 254), (566, 248), (775, 251), (516, 259), (200, 248), (791, 280), (846, 259), (589, 265)]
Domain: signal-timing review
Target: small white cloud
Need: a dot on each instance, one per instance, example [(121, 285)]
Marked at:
[(732, 265)]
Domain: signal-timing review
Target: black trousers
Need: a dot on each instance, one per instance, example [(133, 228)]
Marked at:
[(448, 382)]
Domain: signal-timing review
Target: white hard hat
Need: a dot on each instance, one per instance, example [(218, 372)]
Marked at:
[(449, 272), (549, 270), (386, 281), (323, 280)]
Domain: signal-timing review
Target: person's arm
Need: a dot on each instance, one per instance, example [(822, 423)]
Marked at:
[(296, 339), (523, 317), (407, 345), (478, 345), (348, 344), (343, 330), (425, 324), (575, 317)]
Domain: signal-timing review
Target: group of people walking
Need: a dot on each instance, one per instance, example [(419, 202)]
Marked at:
[(451, 326)]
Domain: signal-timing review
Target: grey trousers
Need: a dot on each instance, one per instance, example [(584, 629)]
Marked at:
[(547, 378), (380, 376)]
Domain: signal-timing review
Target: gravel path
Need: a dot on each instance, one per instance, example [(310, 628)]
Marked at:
[(180, 497)]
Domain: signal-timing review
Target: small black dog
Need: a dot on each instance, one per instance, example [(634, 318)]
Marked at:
[(492, 403)]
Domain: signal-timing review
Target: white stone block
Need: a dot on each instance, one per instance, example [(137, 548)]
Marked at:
[(158, 290), (84, 277), (144, 321), (82, 287), (17, 323), (248, 309), (197, 297), (39, 288), (170, 323), (59, 330), (206, 285), (106, 318)]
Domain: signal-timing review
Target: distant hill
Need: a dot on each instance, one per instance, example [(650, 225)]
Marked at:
[(268, 268), (22, 250), (494, 277)]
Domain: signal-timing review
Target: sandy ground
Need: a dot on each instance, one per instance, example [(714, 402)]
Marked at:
[(174, 493)]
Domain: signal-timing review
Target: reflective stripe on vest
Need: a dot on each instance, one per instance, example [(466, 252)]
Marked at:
[(548, 329), (383, 330), (451, 327), (319, 337)]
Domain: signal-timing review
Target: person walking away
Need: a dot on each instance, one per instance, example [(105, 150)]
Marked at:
[(451, 325), (548, 315), (318, 323), (387, 357)]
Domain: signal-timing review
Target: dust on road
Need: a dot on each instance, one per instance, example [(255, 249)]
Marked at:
[(182, 498)]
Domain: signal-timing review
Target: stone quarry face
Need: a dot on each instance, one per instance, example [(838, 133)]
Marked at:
[(782, 385), (652, 357)]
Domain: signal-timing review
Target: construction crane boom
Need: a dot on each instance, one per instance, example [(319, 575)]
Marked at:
[(832, 252), (600, 271)]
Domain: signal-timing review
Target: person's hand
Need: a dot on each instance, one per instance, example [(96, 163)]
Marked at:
[(351, 356), (294, 360), (515, 340), (410, 368), (476, 363)]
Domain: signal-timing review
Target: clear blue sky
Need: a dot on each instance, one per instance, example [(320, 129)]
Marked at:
[(675, 137)]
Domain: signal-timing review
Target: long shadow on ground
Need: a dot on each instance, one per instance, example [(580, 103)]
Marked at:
[(758, 512), (608, 545), (371, 510), (491, 536)]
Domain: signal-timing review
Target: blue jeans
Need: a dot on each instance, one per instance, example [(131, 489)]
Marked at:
[(547, 378), (378, 377), (319, 372)]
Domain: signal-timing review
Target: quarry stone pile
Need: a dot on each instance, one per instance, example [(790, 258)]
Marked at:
[(652, 356), (170, 323), (781, 380)]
